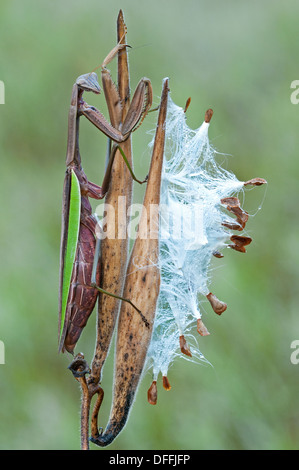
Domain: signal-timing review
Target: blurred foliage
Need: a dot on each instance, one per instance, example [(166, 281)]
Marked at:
[(238, 58)]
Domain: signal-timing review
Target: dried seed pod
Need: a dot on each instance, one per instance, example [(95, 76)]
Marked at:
[(217, 305), (142, 287), (115, 249)]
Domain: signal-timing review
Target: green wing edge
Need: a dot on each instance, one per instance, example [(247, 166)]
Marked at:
[(71, 244)]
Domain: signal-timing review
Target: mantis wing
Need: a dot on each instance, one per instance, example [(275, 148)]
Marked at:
[(69, 242)]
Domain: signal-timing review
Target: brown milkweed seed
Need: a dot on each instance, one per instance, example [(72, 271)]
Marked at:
[(201, 328), (217, 305), (240, 243), (242, 216), (208, 115), (255, 182), (232, 226), (217, 254), (187, 104), (239, 240), (230, 201), (152, 393), (184, 346), (166, 384)]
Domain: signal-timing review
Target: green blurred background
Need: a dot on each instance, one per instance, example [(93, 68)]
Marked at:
[(238, 58)]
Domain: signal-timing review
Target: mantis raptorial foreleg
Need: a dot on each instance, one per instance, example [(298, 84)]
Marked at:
[(119, 127), (141, 103)]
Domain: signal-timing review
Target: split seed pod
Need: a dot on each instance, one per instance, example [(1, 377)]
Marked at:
[(193, 229), (114, 250), (142, 287)]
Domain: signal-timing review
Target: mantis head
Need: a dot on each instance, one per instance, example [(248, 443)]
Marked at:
[(89, 82)]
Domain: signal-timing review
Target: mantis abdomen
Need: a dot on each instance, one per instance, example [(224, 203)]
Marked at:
[(82, 297)]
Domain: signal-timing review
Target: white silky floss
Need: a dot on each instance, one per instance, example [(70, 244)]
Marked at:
[(191, 229)]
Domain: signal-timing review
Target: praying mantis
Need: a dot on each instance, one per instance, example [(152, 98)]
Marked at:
[(79, 263)]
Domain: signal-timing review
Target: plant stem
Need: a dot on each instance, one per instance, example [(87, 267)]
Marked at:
[(85, 407)]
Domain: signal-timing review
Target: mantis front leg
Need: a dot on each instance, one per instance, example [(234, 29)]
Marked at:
[(120, 126), (140, 105)]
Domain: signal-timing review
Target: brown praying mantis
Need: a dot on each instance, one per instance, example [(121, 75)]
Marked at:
[(79, 263)]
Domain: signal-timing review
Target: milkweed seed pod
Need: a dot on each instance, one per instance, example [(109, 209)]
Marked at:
[(115, 245), (142, 287), (199, 209), (114, 250)]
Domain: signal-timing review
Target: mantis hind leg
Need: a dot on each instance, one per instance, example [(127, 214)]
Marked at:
[(106, 180), (103, 291), (124, 300)]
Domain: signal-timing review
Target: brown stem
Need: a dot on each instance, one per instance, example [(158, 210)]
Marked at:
[(79, 369), (85, 407), (94, 418)]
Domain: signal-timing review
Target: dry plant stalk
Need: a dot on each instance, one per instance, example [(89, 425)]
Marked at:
[(79, 369), (142, 287)]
